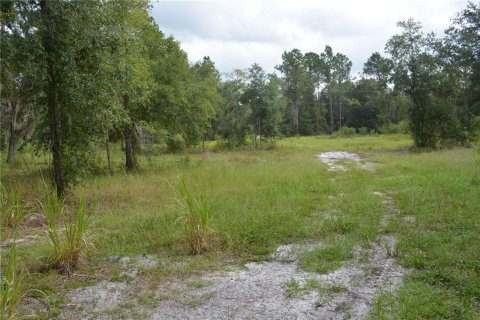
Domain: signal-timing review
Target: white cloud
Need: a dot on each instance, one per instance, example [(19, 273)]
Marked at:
[(236, 34)]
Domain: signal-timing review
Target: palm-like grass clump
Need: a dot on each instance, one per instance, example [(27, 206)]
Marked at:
[(195, 215), (68, 247)]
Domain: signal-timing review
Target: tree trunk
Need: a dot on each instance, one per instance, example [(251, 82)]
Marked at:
[(340, 104), (129, 157), (12, 146), (53, 112), (128, 134), (330, 102), (108, 152), (390, 108), (205, 150), (12, 140), (295, 112)]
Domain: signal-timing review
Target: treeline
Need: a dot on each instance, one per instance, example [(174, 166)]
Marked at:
[(423, 84), (79, 74)]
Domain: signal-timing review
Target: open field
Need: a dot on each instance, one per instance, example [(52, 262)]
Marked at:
[(422, 209)]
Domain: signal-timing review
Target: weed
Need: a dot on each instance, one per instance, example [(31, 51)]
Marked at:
[(11, 282), (149, 299), (195, 215), (475, 181), (392, 250), (12, 209), (294, 289), (199, 283), (67, 249)]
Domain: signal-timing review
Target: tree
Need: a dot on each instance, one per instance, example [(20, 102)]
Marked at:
[(312, 112), (379, 69), (293, 68), (233, 118), (203, 99), (255, 96), (328, 78), (419, 72), (463, 53), (132, 27), (74, 43), (275, 107), (341, 75), (335, 74), (20, 74)]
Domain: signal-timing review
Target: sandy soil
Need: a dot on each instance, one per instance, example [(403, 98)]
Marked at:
[(334, 160)]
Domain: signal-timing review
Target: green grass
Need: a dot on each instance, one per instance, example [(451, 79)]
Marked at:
[(327, 258), (293, 289), (261, 199), (11, 292)]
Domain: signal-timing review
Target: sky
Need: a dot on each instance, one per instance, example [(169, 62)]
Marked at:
[(235, 34)]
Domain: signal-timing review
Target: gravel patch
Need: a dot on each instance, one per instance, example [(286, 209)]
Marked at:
[(259, 290), (333, 159)]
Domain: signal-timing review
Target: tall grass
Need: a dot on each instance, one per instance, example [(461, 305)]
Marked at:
[(12, 209), (10, 287), (68, 244), (195, 215)]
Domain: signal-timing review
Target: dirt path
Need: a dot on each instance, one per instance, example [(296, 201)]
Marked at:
[(258, 291)]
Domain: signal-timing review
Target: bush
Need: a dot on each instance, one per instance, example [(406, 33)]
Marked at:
[(394, 128), (345, 132), (363, 131), (474, 134), (267, 144), (176, 143)]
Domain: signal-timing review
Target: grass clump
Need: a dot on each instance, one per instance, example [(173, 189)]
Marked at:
[(328, 258), (196, 215), (293, 289), (67, 246)]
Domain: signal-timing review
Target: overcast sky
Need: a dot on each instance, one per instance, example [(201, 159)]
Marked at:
[(236, 34)]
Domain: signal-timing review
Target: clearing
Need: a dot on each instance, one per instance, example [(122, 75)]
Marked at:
[(316, 228)]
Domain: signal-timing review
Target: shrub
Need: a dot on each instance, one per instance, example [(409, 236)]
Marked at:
[(345, 132), (363, 131), (475, 128), (176, 143), (394, 128)]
